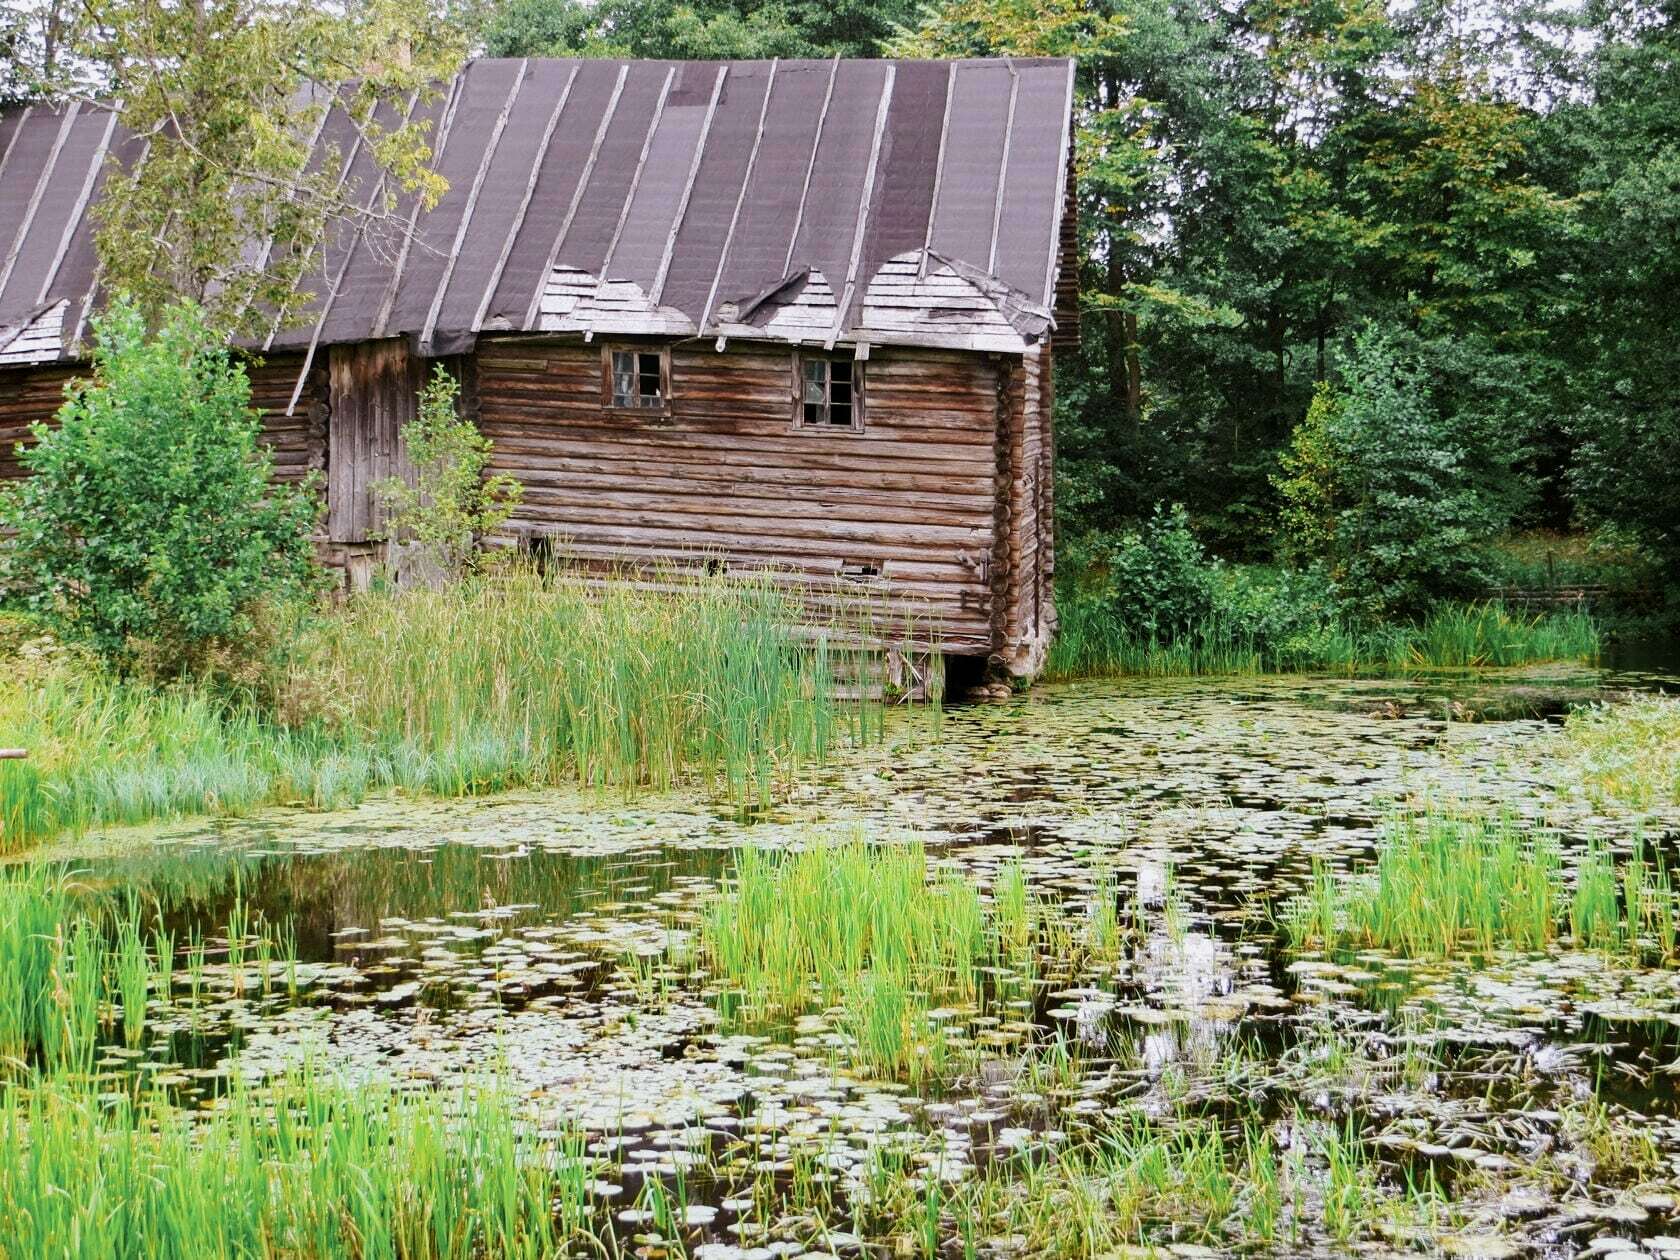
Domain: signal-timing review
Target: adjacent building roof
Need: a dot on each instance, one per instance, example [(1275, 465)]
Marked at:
[(873, 202)]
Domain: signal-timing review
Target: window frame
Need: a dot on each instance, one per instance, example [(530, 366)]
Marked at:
[(800, 359), (609, 401)]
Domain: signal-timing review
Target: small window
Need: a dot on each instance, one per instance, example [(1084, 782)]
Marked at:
[(636, 379), (829, 393)]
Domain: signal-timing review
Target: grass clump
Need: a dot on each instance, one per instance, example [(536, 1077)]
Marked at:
[(515, 681), (1441, 885), (300, 1167), (1629, 752), (866, 929), (1445, 885)]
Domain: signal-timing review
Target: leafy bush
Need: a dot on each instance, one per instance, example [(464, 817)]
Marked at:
[(453, 505), (1392, 486), (149, 524), (1153, 582)]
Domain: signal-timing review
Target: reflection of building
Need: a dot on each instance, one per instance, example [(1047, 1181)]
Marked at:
[(791, 317)]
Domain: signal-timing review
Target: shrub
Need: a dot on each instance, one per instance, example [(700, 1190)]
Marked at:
[(149, 520), (452, 504), (1153, 582)]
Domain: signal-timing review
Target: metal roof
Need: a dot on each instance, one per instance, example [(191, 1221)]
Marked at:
[(808, 201)]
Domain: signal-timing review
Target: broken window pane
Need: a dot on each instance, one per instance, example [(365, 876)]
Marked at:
[(827, 396), (651, 392)]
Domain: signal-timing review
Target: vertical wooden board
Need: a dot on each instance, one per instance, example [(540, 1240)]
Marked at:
[(374, 389)]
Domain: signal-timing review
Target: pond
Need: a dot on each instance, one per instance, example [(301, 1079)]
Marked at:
[(1500, 1104)]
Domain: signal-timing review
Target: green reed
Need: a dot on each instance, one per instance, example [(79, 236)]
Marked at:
[(869, 929), (1445, 884), (1091, 643), (133, 970), (497, 683), (298, 1167)]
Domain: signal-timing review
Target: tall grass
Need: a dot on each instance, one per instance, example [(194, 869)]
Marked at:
[(1444, 885), (515, 681), (301, 1167), (1091, 643), (72, 972), (863, 928)]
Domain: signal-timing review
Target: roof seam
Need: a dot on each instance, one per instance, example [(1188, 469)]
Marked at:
[(75, 219), (939, 165), (524, 204), (1003, 167), (472, 204), (458, 90), (343, 270), (636, 178), (577, 197), (39, 192), (843, 309), (688, 188), (740, 200), (811, 165)]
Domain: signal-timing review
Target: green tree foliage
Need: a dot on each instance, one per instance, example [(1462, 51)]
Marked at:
[(1392, 490), (1257, 182), (148, 521), (229, 95), (1151, 583), (1618, 334), (454, 502), (697, 29)]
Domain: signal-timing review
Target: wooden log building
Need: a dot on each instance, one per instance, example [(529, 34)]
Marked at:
[(786, 316)]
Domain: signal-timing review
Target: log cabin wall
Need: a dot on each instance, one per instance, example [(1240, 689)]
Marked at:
[(728, 475), (27, 395), (298, 441)]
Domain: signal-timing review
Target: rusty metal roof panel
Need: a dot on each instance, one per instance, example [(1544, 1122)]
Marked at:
[(656, 197)]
